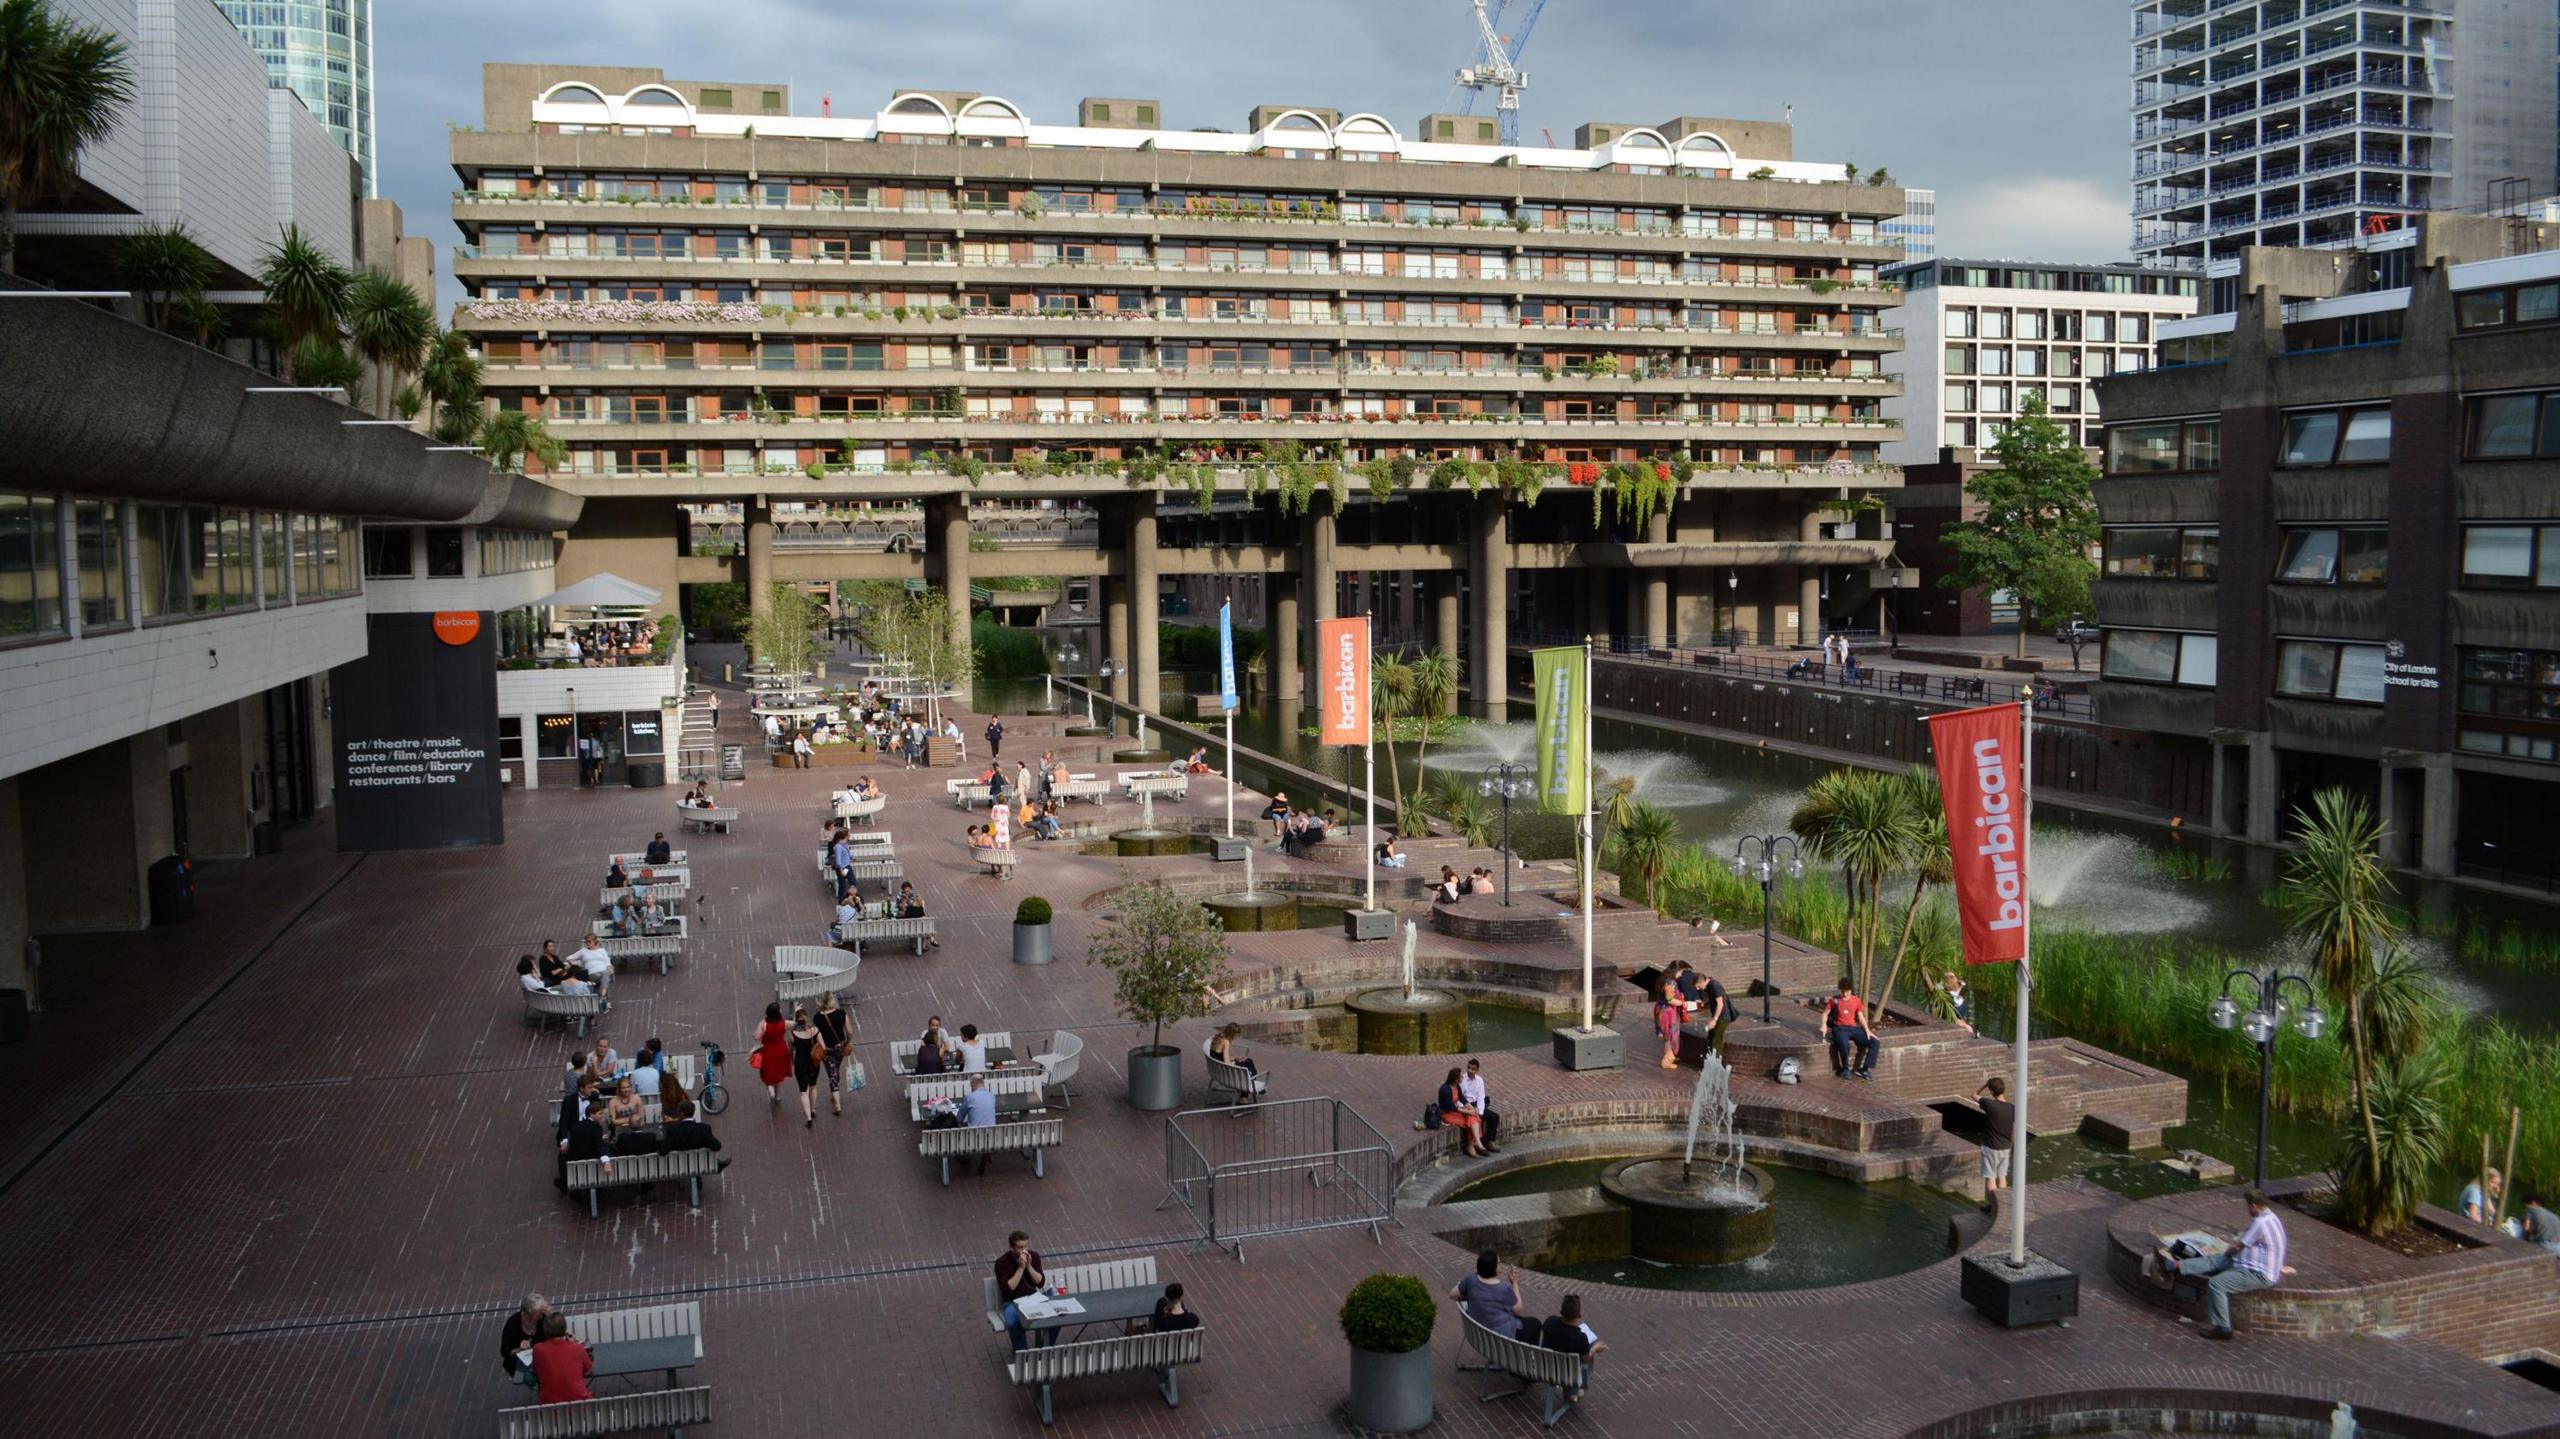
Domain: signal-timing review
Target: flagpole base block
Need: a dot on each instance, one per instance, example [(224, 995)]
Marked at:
[(1580, 1049), (1368, 924), (1229, 849), (2039, 1292)]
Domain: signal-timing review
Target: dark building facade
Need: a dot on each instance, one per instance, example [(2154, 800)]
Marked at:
[(2325, 517)]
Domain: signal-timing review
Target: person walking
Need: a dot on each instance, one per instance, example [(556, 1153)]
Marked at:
[(995, 738), (772, 1057), (2250, 1263), (835, 1030), (808, 1054)]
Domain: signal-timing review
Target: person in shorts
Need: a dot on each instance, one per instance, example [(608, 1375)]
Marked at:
[(1999, 1131)]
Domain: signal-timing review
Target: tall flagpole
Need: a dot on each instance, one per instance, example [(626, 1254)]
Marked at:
[(1229, 694), (2026, 951), (1590, 855), (1369, 807), (1231, 771)]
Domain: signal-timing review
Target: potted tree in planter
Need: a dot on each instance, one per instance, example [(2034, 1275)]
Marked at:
[(1388, 1319), (1031, 931), (1165, 954)]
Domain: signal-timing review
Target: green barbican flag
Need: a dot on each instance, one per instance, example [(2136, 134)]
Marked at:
[(1564, 764)]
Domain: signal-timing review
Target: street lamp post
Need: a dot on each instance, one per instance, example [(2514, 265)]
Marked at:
[(2260, 1024), (1505, 780), (1893, 611), (1733, 606), (1756, 856)]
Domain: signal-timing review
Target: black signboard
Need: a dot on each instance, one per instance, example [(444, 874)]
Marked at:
[(415, 727)]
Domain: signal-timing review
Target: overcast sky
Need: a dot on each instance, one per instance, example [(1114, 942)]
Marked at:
[(2013, 110)]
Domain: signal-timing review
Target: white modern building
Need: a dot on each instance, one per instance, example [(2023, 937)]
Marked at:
[(321, 50), (2309, 122), (206, 142), (1980, 336)]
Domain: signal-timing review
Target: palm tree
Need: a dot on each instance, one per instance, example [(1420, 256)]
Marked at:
[(1862, 822), (1435, 693), (62, 85), (449, 374), (200, 320), (390, 326), (1646, 842), (1929, 861), (507, 437), (323, 361), (1468, 812), (2335, 895), (1390, 694), (306, 289), (165, 267)]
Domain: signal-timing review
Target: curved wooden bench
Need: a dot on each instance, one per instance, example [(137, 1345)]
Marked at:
[(578, 1009), (1565, 1375)]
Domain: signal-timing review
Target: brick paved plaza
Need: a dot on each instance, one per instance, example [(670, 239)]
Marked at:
[(283, 1170)]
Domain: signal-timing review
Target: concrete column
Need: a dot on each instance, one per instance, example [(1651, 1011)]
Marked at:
[(2442, 806), (1323, 579), (946, 523), (1657, 586), (1444, 620), (1115, 633), (759, 559), (222, 744), (2262, 790), (1809, 606), (1488, 664), (1145, 684), (2220, 822), (13, 894), (1595, 606), (89, 876), (1282, 615)]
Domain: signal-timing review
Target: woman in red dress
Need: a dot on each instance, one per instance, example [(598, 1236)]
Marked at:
[(772, 1059)]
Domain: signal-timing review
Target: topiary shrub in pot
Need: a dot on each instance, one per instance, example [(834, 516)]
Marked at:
[(1031, 931), (1388, 1319)]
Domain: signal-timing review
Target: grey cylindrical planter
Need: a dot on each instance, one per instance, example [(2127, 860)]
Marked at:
[(1390, 1393), (1155, 1077), (1030, 943)]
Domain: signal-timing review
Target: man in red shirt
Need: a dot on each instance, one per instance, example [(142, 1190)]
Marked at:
[(560, 1364), (1844, 1024)]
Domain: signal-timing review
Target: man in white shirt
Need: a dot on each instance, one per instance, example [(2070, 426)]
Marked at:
[(2252, 1262), (959, 750), (973, 1051), (1471, 1089), (847, 912), (845, 798)]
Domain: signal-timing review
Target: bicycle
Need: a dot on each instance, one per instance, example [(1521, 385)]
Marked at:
[(714, 1096)]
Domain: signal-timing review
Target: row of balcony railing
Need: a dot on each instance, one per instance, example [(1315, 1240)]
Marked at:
[(1076, 418), (1825, 472), (685, 312), (1321, 374)]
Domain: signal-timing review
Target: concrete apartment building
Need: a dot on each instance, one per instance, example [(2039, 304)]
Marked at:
[(321, 50), (2302, 122), (714, 300), (2332, 543)]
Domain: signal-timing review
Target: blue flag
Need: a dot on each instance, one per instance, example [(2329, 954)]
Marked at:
[(1227, 655)]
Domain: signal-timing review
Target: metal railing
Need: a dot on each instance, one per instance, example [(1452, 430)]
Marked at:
[(1885, 678), (1278, 1167)]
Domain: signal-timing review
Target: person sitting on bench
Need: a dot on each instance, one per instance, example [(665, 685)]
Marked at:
[(1844, 1027)]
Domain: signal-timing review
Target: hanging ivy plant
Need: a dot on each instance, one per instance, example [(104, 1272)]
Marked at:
[(1401, 470), (1380, 475), (1448, 474)]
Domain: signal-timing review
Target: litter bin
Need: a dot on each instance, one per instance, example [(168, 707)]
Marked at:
[(173, 890), (266, 837), (646, 773), (13, 1016)]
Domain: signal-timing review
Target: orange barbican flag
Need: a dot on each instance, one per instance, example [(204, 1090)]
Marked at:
[(1342, 688), (1985, 797)]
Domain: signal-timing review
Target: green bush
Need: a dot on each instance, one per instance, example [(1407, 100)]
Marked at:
[(1389, 1314), (1004, 650), (1034, 910)]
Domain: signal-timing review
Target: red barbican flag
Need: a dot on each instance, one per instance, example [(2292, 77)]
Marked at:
[(1979, 779)]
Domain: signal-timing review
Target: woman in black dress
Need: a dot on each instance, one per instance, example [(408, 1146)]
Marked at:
[(835, 1029), (808, 1052)]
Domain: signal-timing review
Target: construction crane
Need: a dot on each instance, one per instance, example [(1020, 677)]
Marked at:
[(1498, 69)]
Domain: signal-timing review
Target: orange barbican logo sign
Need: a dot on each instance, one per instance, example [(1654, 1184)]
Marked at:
[(457, 627)]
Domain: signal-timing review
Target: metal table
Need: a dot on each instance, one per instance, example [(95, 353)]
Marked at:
[(1101, 1306), (643, 1356)]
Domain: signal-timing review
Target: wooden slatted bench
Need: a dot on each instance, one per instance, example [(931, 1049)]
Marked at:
[(1034, 1137), (997, 862), (790, 961), (649, 1321), (723, 820), (967, 793), (661, 876), (1083, 787), (570, 1009), (669, 897), (1245, 1084), (902, 1052), (1565, 1375), (664, 948), (636, 859), (860, 811), (873, 931), (589, 1176), (1160, 1354), (1162, 785), (668, 1409), (1135, 1272)]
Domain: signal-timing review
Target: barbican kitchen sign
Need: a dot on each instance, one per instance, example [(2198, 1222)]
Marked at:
[(2397, 673)]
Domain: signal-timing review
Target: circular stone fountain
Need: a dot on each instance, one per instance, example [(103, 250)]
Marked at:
[(1424, 1022), (1678, 1214), (1148, 841), (1254, 910)]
